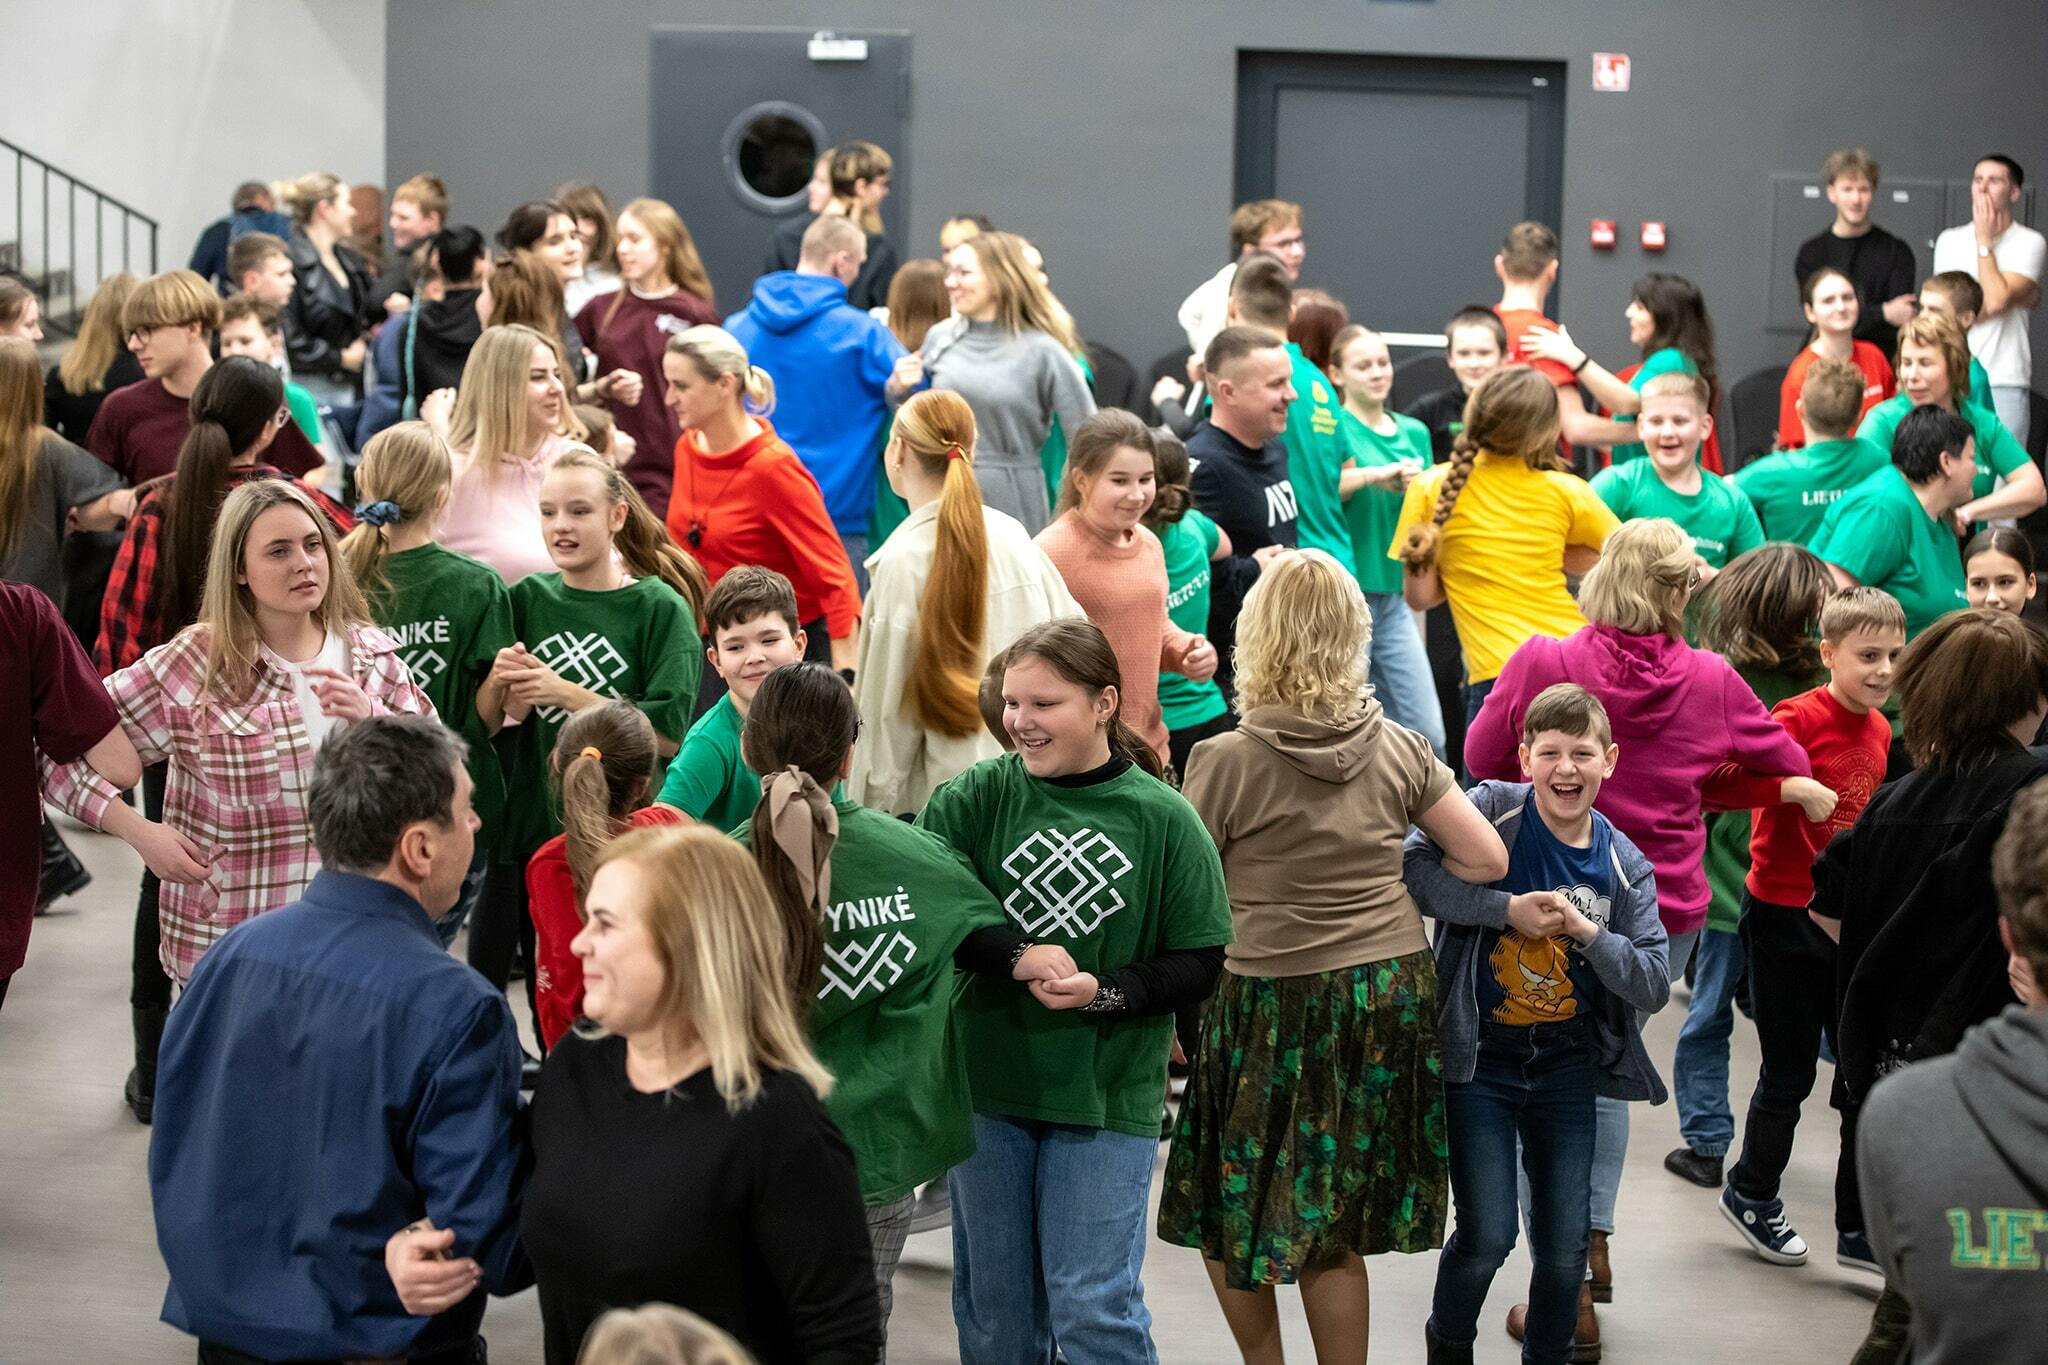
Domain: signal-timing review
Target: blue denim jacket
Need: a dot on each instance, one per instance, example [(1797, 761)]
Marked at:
[(330, 1075), (1629, 956)]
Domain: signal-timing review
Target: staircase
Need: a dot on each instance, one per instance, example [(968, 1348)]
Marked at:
[(64, 236)]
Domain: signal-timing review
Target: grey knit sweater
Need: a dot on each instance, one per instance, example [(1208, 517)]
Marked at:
[(1016, 383)]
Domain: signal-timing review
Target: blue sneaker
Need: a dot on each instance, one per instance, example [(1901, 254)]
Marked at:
[(1852, 1252), (1762, 1224)]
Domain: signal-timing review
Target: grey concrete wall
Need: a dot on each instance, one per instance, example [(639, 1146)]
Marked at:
[(1104, 131)]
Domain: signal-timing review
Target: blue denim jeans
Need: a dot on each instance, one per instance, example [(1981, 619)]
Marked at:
[(1700, 1073), (1475, 697), (1610, 1144), (1048, 1241), (1399, 669), (1535, 1086)]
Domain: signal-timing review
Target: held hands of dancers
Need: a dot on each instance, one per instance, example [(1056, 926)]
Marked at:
[(1049, 972), (1815, 801), (1545, 914), (428, 1279)]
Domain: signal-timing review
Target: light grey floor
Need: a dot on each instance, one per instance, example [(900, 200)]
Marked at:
[(80, 1279)]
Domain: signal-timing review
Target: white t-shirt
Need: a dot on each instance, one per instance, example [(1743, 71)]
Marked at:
[(2001, 342), (333, 656)]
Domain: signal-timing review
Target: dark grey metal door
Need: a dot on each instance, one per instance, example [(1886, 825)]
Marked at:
[(1408, 169), (1908, 209), (739, 116)]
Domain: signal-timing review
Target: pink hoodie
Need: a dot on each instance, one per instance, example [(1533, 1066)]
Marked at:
[(1677, 712)]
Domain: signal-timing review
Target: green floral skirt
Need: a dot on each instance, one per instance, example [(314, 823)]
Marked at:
[(1313, 1122)]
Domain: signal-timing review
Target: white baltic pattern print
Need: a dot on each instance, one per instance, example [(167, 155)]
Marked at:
[(1067, 882)]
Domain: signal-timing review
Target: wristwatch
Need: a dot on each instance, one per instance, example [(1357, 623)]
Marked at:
[(1983, 250)]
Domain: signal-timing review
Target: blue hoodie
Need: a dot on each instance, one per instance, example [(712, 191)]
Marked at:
[(830, 362)]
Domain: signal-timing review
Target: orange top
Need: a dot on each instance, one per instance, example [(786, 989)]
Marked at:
[(1878, 385)]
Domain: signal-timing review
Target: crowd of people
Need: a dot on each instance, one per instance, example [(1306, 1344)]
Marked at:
[(912, 791)]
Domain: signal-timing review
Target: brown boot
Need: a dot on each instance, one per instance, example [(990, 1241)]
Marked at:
[(1603, 1274), (1585, 1338)]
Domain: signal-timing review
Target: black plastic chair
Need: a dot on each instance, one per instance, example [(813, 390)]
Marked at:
[(1116, 382), (1754, 405)]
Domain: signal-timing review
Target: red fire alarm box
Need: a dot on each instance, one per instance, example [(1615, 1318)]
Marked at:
[(1611, 71), (1653, 236), (1603, 234)]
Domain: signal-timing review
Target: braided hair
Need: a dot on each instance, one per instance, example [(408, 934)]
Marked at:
[(1513, 412)]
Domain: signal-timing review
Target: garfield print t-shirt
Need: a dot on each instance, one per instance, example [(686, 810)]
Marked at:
[(1524, 980)]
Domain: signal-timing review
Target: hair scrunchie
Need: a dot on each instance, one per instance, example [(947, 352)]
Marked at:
[(381, 513), (804, 825), (591, 751), (956, 453)]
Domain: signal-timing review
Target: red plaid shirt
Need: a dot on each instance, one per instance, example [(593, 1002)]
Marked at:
[(126, 631), (238, 779)]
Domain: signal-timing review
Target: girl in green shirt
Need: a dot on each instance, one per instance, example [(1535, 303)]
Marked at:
[(619, 619), (1386, 450), (1085, 847), (1667, 318), (450, 614), (877, 916)]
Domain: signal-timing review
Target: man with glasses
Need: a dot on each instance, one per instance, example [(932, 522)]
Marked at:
[(170, 320), (1269, 226)]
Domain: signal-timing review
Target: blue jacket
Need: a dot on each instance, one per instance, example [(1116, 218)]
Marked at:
[(330, 1075), (384, 402), (1630, 955), (830, 362)]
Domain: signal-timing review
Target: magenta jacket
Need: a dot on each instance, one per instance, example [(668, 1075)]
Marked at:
[(1677, 712)]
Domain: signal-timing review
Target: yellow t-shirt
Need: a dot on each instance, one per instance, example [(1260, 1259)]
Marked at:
[(1502, 556)]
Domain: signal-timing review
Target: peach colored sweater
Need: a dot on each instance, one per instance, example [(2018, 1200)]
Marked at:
[(1122, 586)]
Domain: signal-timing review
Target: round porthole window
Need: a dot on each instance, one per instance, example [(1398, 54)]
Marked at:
[(770, 151)]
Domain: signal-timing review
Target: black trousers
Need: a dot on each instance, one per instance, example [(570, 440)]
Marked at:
[(1792, 990), (1181, 743), (149, 985), (471, 1352)]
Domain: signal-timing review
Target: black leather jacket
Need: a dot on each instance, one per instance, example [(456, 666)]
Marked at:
[(323, 317)]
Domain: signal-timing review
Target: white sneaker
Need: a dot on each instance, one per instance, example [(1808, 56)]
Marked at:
[(934, 1208)]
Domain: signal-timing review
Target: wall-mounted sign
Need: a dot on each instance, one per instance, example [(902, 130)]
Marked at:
[(1610, 71)]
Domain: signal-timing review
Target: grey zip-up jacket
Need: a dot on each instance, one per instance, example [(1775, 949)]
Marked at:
[(1629, 956)]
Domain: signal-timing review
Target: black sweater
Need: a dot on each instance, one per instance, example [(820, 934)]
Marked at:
[(1246, 492), (1877, 263), (751, 1220)]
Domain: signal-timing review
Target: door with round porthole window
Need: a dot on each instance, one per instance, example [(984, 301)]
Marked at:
[(740, 117)]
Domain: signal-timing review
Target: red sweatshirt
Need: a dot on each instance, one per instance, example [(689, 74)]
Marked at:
[(551, 901), (1848, 753), (757, 504)]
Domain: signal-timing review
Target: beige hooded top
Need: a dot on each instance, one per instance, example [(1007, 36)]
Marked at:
[(1309, 817)]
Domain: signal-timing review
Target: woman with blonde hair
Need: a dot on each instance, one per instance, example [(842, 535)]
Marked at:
[(507, 426), (1493, 530), (94, 365), (1677, 713), (238, 703), (659, 1334), (1312, 1131), (327, 319), (740, 495), (663, 290), (681, 1149), (949, 589), (1009, 350)]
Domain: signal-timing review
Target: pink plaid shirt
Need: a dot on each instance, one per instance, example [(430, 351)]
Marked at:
[(238, 779)]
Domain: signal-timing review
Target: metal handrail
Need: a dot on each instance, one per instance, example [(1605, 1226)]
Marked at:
[(56, 273)]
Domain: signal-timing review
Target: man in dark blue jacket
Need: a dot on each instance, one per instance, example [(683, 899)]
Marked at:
[(833, 366), (331, 1074)]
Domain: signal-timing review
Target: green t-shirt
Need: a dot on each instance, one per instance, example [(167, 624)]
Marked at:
[(638, 643), (1669, 360), (1998, 454), (1115, 873), (1980, 383), (1315, 461), (708, 780), (1719, 518), (451, 615), (1372, 513), (883, 1021), (305, 412), (1793, 489), (1189, 545), (1726, 859), (1879, 533)]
